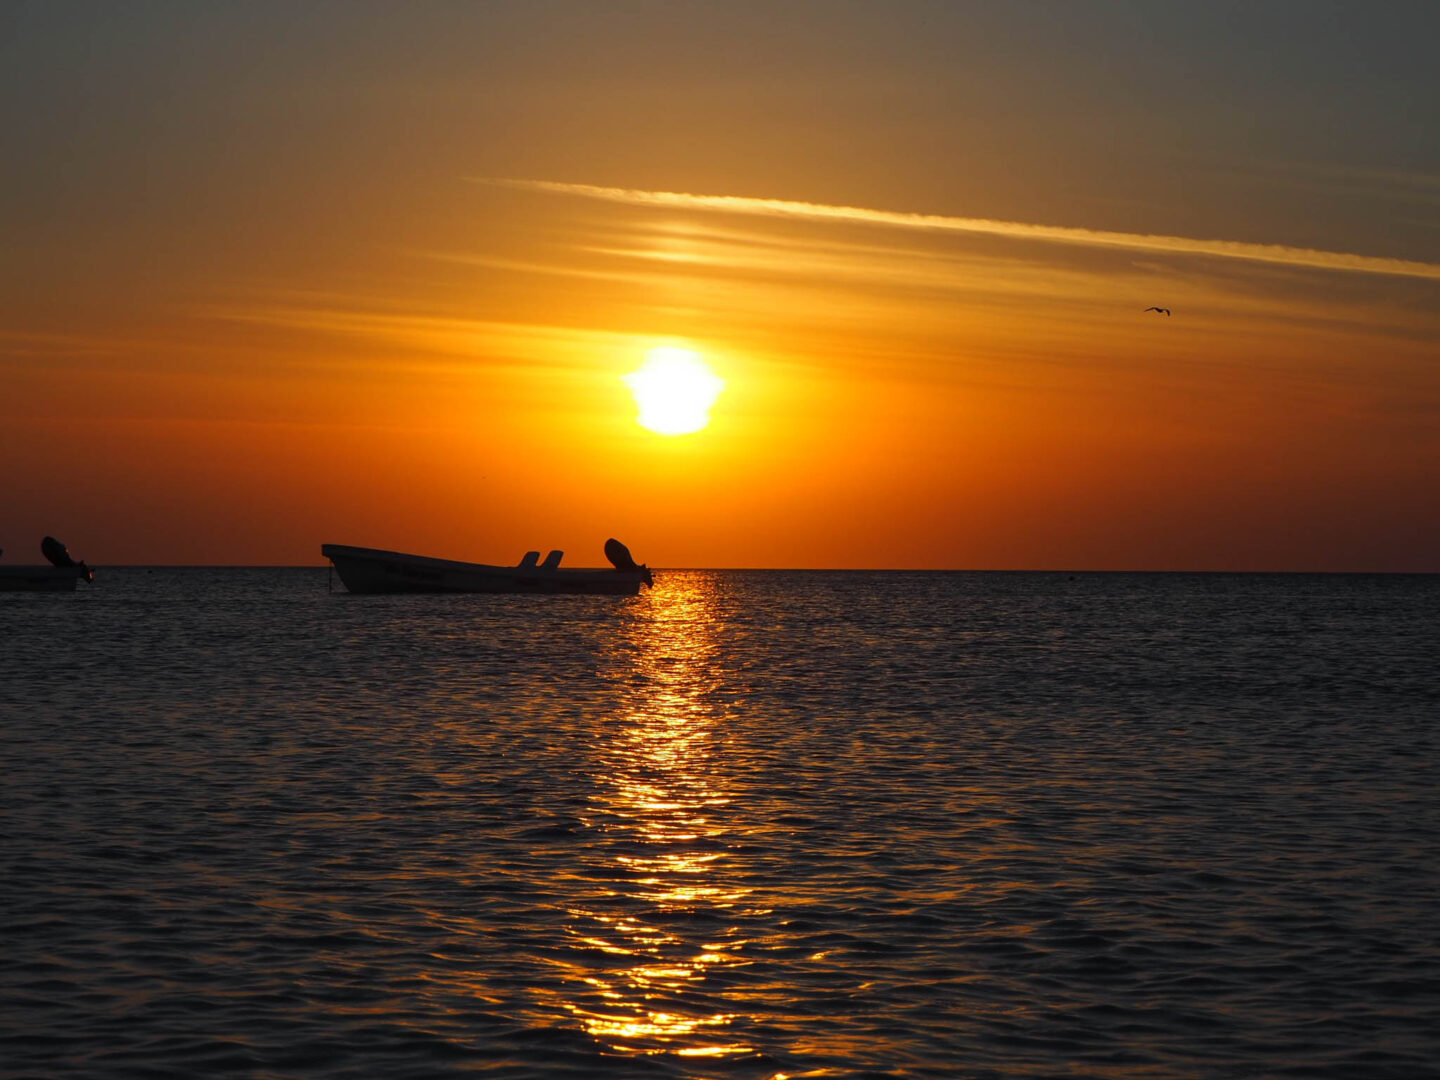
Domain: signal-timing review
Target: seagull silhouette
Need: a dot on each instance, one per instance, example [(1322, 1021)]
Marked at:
[(1162, 310)]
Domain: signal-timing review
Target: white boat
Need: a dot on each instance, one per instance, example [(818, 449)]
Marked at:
[(371, 570)]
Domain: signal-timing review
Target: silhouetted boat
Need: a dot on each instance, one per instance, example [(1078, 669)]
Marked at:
[(41, 578), (370, 570), (60, 576)]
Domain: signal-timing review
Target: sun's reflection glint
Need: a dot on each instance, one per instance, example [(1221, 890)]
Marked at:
[(659, 803)]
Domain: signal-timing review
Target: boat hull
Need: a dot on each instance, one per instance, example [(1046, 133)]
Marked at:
[(371, 570), (41, 578)]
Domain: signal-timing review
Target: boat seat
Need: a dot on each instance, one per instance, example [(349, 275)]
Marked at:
[(530, 559), (552, 561)]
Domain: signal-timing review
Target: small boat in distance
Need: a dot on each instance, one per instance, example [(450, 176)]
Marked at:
[(371, 570), (60, 576)]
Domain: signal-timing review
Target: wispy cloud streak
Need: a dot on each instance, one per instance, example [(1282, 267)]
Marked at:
[(1055, 234)]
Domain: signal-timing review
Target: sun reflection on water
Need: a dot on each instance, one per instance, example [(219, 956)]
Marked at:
[(666, 924)]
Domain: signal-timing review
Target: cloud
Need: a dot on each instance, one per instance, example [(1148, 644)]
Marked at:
[(462, 343), (1055, 234)]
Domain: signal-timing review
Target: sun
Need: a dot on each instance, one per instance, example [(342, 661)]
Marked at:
[(675, 390)]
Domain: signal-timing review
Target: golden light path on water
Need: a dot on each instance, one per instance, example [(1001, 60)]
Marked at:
[(670, 925)]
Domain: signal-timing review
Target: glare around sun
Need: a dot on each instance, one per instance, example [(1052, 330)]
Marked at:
[(674, 390)]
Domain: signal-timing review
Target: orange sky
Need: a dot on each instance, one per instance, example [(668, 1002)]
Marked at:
[(272, 283)]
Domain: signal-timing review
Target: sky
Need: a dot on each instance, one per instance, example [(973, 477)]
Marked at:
[(274, 275)]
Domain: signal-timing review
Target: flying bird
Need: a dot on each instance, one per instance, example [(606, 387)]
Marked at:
[(1162, 310)]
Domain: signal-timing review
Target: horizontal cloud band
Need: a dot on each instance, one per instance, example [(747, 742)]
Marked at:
[(1059, 234)]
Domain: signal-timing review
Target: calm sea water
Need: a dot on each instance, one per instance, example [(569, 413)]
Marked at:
[(744, 825)]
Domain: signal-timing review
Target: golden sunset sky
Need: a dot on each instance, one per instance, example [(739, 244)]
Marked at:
[(273, 275)]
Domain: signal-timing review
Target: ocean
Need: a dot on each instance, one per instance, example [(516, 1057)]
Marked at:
[(747, 824)]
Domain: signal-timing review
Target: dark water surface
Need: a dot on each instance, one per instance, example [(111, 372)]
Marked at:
[(746, 825)]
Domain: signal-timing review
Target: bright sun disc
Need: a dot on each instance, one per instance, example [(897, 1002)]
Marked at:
[(674, 390)]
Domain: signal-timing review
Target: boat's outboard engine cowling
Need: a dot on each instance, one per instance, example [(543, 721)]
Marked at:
[(619, 555), (59, 555), (620, 558), (55, 552)]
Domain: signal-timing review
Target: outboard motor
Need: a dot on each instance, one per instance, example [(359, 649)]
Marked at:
[(59, 555), (620, 558), (619, 555), (56, 552)]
